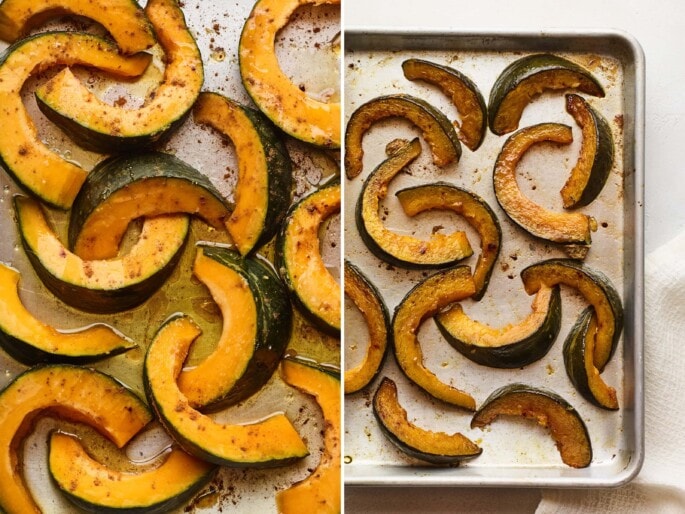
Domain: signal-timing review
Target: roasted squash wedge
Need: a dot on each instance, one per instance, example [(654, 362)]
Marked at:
[(570, 228), (463, 93), (422, 444), (424, 300), (402, 250), (95, 487), (30, 341), (290, 108), (123, 19), (370, 303), (69, 392), (101, 127), (579, 363), (320, 491), (103, 286), (597, 290), (123, 188), (257, 320), (31, 164), (526, 78), (441, 195), (549, 410), (596, 157), (262, 194), (511, 346), (436, 129), (299, 261), (267, 443)]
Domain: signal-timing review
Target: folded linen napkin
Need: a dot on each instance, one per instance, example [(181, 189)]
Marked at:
[(660, 486)]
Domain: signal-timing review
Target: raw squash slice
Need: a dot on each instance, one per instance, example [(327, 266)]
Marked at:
[(267, 443), (30, 341), (123, 19), (320, 491), (69, 392), (34, 166), (290, 108), (262, 194), (95, 487), (104, 286), (98, 126), (257, 319)]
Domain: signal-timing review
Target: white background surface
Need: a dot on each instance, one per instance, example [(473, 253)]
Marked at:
[(660, 29)]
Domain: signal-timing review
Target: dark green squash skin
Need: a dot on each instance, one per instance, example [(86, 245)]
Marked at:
[(371, 290), (323, 368), (603, 282), (118, 172), (94, 141), (527, 67), (281, 265), (515, 355), (604, 157), (454, 75), (432, 458), (274, 322), (574, 357), (439, 122)]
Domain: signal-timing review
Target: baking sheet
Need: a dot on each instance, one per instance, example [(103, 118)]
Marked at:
[(309, 52), (515, 452)]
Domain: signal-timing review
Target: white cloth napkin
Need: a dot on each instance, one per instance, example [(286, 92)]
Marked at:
[(660, 487)]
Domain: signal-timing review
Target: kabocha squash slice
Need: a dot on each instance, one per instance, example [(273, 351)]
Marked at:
[(267, 443), (123, 188), (30, 163), (463, 93), (290, 108), (476, 212), (588, 176), (123, 19), (69, 392), (423, 301), (262, 194), (580, 367), (549, 410), (370, 303), (569, 228), (103, 286), (257, 321), (512, 346), (320, 491), (597, 290), (30, 341), (99, 126), (299, 261), (528, 77), (95, 487), (426, 445), (436, 129), (403, 250)]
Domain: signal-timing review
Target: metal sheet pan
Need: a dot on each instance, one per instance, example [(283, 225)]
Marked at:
[(515, 452), (310, 38)]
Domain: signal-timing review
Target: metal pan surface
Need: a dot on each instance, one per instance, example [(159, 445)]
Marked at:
[(515, 452)]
